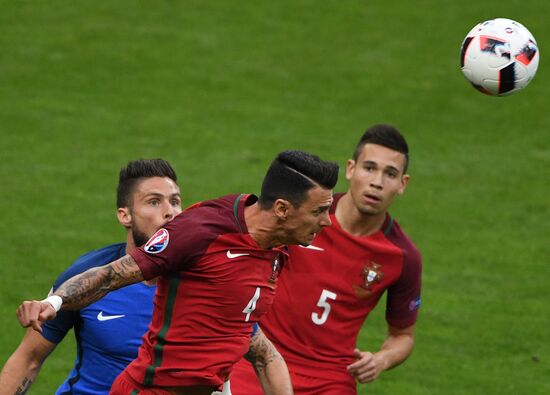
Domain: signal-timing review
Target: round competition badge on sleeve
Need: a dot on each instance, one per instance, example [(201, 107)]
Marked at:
[(415, 304), (158, 242)]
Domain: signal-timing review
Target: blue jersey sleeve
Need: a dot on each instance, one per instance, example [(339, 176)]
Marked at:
[(255, 330), (56, 329)]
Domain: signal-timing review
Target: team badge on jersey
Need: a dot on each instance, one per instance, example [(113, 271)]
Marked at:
[(158, 242), (371, 274)]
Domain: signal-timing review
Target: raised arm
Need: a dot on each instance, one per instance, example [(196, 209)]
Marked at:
[(269, 365), (80, 291)]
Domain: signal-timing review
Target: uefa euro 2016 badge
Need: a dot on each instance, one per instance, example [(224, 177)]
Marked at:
[(158, 242), (371, 274)]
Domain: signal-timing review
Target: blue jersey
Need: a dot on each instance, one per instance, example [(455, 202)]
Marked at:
[(108, 332)]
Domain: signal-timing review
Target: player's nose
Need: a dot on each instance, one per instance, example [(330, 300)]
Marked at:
[(325, 219), (170, 212), (376, 180)]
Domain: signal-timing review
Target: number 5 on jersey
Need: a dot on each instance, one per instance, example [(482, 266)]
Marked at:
[(323, 303), (251, 306)]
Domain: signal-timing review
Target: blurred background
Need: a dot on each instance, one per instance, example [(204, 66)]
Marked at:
[(218, 88)]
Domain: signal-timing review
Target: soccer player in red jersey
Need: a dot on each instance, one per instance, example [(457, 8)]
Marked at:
[(217, 265), (330, 286)]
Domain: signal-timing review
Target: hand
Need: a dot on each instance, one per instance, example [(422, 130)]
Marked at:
[(367, 368), (33, 313)]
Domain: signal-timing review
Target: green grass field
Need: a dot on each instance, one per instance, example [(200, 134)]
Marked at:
[(218, 88)]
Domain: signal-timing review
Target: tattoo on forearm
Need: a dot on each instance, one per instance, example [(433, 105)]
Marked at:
[(25, 385), (261, 352), (93, 284)]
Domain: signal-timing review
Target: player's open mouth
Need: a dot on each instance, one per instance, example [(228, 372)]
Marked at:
[(372, 198)]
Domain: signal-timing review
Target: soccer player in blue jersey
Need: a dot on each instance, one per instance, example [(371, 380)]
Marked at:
[(109, 331)]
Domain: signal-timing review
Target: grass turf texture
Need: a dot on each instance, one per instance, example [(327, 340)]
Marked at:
[(218, 88)]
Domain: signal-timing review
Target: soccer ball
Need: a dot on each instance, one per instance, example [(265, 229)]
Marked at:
[(499, 57)]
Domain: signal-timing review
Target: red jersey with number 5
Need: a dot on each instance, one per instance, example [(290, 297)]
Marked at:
[(214, 283), (330, 287)]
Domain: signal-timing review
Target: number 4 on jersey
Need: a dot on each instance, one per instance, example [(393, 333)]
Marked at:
[(322, 303), (251, 306)]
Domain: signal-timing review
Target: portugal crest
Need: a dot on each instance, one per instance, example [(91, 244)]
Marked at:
[(371, 274)]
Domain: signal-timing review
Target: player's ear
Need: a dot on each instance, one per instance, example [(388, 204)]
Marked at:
[(404, 182), (124, 216), (281, 208), (350, 168)]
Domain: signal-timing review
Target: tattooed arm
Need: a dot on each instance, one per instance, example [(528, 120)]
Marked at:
[(269, 365), (82, 290), (23, 365)]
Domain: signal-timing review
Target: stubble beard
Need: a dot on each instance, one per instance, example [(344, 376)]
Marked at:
[(139, 237)]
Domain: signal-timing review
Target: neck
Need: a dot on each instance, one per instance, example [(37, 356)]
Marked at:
[(130, 244), (261, 226), (356, 222)]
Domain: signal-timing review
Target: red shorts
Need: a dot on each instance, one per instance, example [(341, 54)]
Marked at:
[(124, 384), (245, 382)]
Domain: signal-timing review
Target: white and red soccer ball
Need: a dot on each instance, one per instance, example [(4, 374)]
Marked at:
[(499, 57)]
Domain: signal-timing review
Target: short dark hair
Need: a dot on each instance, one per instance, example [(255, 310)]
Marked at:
[(135, 171), (386, 136), (292, 174)]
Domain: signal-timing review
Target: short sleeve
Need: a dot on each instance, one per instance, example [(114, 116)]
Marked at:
[(403, 299), (56, 329), (175, 246)]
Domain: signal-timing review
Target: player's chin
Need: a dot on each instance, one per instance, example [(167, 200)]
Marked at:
[(308, 239), (370, 209)]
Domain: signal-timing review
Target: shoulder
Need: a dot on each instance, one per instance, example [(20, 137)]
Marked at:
[(214, 216), (337, 196), (222, 204), (91, 259), (397, 236)]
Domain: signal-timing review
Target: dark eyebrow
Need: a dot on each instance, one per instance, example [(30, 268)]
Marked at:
[(156, 194), (392, 168), (324, 207), (370, 162)]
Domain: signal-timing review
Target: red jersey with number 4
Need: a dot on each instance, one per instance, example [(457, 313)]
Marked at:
[(214, 283), (330, 287)]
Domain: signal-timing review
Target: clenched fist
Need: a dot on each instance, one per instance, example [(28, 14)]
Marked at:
[(34, 312)]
